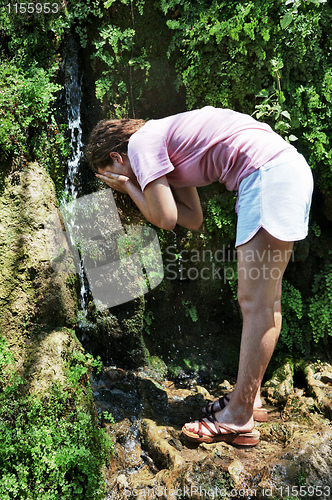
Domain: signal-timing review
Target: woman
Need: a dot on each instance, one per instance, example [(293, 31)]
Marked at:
[(159, 164)]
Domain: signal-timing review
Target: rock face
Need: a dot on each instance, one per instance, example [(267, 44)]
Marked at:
[(37, 306), (116, 335), (153, 460)]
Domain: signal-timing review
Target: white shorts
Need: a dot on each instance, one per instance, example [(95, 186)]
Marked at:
[(276, 197)]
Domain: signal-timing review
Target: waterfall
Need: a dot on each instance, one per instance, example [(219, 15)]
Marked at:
[(73, 92), (73, 95)]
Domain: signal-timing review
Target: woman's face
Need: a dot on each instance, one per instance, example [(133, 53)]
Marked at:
[(119, 164), (111, 168)]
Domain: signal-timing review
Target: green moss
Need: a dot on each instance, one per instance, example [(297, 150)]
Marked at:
[(158, 366), (51, 446)]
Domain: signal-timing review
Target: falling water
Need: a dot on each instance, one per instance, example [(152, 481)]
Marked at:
[(73, 90), (73, 93)]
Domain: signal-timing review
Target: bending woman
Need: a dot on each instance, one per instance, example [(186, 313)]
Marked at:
[(159, 164)]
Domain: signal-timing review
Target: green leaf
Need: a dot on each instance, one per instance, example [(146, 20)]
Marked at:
[(263, 93), (286, 114), (286, 20), (282, 97)]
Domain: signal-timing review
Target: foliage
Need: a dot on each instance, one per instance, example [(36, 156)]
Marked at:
[(31, 57), (50, 448), (218, 43), (28, 92), (129, 56), (28, 130), (238, 56), (190, 310), (320, 310), (294, 333), (225, 55), (148, 319), (306, 321), (220, 216)]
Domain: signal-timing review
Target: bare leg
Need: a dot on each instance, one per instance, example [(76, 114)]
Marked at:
[(277, 321), (261, 265)]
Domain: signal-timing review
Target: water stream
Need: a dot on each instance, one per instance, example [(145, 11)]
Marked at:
[(73, 94)]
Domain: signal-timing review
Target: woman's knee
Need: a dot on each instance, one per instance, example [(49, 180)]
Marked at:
[(255, 299)]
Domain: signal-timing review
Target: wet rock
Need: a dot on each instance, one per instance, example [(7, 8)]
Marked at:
[(156, 441), (183, 404), (306, 460), (33, 298), (114, 374), (280, 386), (295, 448), (326, 377), (117, 335), (122, 482), (45, 360), (225, 387), (299, 406), (238, 474), (321, 392), (128, 437), (152, 395), (120, 397)]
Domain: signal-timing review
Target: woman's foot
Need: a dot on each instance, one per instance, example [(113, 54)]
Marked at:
[(212, 429), (209, 428)]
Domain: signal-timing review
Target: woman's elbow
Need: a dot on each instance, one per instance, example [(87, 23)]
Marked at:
[(167, 223), (194, 227), (196, 222), (168, 226)]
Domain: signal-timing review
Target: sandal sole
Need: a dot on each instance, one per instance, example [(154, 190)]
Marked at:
[(260, 415), (240, 439)]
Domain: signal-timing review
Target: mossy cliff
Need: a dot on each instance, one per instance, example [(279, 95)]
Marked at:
[(32, 296), (51, 444)]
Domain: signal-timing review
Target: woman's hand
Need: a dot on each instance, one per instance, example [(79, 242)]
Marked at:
[(115, 181)]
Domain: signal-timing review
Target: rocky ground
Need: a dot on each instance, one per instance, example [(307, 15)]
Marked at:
[(153, 460)]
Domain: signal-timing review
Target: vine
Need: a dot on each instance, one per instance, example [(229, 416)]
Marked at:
[(320, 310)]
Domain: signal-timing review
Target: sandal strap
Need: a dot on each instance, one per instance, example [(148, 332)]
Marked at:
[(218, 426), (209, 408), (226, 428), (222, 400), (202, 424)]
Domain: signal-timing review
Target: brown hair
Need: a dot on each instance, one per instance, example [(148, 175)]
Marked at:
[(108, 136)]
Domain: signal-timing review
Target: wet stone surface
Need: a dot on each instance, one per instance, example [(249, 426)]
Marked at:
[(153, 460)]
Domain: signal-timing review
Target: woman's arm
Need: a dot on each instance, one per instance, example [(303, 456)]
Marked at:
[(190, 213), (160, 204)]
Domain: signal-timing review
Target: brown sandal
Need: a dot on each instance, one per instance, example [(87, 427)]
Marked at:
[(259, 413), (232, 437)]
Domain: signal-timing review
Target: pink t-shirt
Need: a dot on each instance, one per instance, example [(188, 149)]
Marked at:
[(199, 147)]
